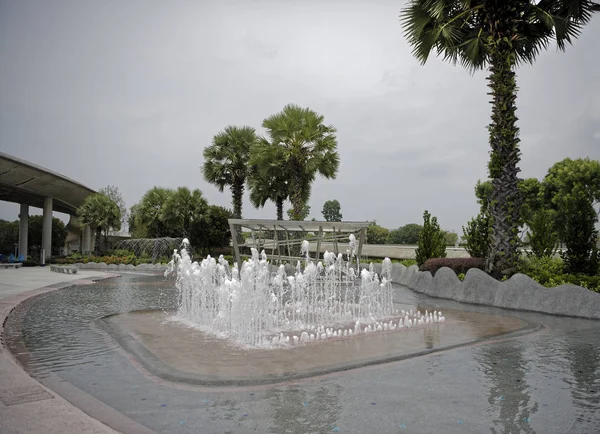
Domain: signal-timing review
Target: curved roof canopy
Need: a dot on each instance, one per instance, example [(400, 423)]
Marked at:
[(27, 183)]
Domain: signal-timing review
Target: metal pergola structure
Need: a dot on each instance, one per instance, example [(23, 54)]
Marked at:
[(287, 236)]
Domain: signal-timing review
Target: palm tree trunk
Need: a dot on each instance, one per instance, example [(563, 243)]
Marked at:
[(279, 205), (237, 192), (296, 197), (505, 202)]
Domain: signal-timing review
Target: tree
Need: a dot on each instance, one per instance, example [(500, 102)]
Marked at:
[(303, 213), (114, 194), (303, 146), (407, 234), (497, 35), (377, 234), (226, 162), (451, 238), (9, 236), (137, 229), (267, 181), (212, 229), (477, 236), (100, 213), (432, 240), (181, 209), (331, 211), (572, 189), (542, 235), (150, 214), (35, 229)]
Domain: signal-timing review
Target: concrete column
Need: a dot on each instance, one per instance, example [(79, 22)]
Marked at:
[(47, 228), (23, 229)]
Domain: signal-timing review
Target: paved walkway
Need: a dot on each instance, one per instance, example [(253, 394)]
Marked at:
[(26, 406)]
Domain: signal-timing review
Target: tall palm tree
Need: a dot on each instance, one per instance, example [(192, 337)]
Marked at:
[(497, 35), (301, 146), (226, 162)]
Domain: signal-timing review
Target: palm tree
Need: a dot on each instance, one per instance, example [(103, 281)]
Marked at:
[(300, 146), (226, 162), (101, 213), (150, 211), (267, 179), (181, 209), (497, 35)]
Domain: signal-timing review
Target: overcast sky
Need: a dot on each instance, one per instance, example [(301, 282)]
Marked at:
[(129, 92)]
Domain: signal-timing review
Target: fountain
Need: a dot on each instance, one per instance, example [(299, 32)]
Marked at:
[(261, 306)]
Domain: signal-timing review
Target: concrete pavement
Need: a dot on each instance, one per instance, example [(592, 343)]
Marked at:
[(26, 406)]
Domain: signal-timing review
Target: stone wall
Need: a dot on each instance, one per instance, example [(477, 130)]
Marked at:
[(520, 292)]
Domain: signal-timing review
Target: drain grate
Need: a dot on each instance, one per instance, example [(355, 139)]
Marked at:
[(21, 395)]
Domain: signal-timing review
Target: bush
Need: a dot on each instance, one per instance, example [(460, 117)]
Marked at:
[(477, 234), (432, 240), (542, 236), (551, 272), (458, 265), (377, 235)]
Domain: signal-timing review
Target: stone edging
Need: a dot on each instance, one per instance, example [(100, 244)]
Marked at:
[(520, 292), (120, 267)]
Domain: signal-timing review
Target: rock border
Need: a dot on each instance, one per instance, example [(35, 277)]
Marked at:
[(120, 267), (520, 292)]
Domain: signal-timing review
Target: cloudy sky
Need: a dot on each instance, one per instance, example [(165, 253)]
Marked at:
[(129, 92)]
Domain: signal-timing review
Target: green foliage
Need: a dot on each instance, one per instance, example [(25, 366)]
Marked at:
[(101, 213), (407, 234), (35, 229), (304, 212), (477, 236), (114, 194), (167, 213), (9, 236), (226, 162), (212, 229), (542, 235), (432, 242), (497, 35), (302, 147), (377, 234), (581, 236), (451, 238), (551, 272), (572, 187), (331, 211), (182, 208)]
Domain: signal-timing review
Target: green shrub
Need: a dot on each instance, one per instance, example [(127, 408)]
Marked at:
[(408, 262), (477, 233), (542, 236), (551, 272), (432, 240)]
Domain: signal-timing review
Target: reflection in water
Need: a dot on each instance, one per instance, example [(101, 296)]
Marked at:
[(431, 337), (505, 367), (297, 410), (584, 360)]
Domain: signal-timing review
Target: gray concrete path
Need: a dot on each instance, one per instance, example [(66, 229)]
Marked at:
[(26, 406)]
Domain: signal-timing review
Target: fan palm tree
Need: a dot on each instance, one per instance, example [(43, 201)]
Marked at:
[(497, 35), (101, 213), (150, 211), (181, 209), (300, 147), (226, 162)]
